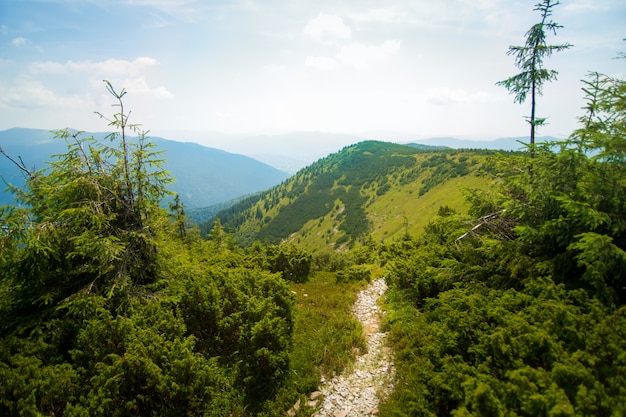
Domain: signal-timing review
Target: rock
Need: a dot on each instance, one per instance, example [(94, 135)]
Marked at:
[(315, 395), (296, 406), (340, 413)]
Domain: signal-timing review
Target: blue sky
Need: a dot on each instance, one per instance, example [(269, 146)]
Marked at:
[(378, 68)]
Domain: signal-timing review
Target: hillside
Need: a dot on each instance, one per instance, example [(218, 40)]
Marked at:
[(377, 189), (204, 176)]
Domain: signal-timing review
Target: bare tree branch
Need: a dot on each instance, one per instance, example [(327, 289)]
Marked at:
[(495, 222), (20, 164)]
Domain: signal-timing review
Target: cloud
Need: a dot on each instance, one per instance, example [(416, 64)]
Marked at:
[(127, 74), (320, 62), (275, 68), (32, 94), (19, 42), (362, 56), (187, 10), (482, 16), (156, 22), (443, 96), (109, 67), (356, 55), (584, 6), (139, 85), (327, 25), (387, 15)]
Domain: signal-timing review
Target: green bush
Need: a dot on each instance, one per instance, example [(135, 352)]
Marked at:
[(354, 273), (293, 263), (244, 318)]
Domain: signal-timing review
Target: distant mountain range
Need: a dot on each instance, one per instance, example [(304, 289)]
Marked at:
[(204, 176), (287, 152), (207, 176), (293, 151), (505, 144)]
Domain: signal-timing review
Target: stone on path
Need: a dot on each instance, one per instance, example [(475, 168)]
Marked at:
[(357, 393)]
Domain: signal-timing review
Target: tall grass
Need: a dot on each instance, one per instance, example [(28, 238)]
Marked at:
[(326, 337)]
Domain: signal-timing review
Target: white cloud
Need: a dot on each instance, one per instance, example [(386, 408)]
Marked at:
[(108, 67), (139, 85), (390, 14), (187, 10), (584, 6), (464, 15), (362, 56), (126, 74), (156, 22), (19, 42), (443, 96), (320, 62), (327, 25), (275, 68), (32, 94)]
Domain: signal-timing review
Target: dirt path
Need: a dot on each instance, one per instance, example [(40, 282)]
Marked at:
[(357, 392)]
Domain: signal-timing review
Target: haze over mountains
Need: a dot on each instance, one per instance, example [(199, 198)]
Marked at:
[(204, 176), (293, 151), (233, 167)]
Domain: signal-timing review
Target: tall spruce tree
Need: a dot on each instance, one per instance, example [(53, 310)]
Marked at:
[(529, 59)]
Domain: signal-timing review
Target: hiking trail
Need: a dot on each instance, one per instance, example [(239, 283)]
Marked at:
[(356, 392)]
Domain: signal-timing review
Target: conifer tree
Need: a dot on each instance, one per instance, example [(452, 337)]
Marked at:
[(529, 59)]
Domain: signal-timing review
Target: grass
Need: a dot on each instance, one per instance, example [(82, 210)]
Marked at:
[(400, 209), (390, 212), (325, 334), (326, 337)]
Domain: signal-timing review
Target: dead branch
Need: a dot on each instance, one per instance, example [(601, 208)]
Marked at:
[(495, 222), (20, 164)]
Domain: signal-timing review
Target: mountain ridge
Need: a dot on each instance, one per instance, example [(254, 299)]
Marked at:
[(515, 143), (383, 190), (204, 176)]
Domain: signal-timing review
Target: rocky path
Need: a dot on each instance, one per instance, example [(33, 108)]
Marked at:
[(357, 392)]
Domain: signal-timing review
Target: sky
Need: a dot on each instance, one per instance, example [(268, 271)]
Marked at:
[(381, 69)]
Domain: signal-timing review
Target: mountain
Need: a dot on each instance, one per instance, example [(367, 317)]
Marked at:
[(506, 144), (378, 189), (204, 176), (293, 151), (287, 152)]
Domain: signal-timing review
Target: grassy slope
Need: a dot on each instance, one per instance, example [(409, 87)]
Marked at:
[(390, 212), (370, 190)]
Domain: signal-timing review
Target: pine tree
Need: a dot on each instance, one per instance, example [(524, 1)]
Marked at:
[(88, 221), (529, 58)]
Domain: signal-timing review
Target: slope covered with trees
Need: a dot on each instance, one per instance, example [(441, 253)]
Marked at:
[(373, 188)]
